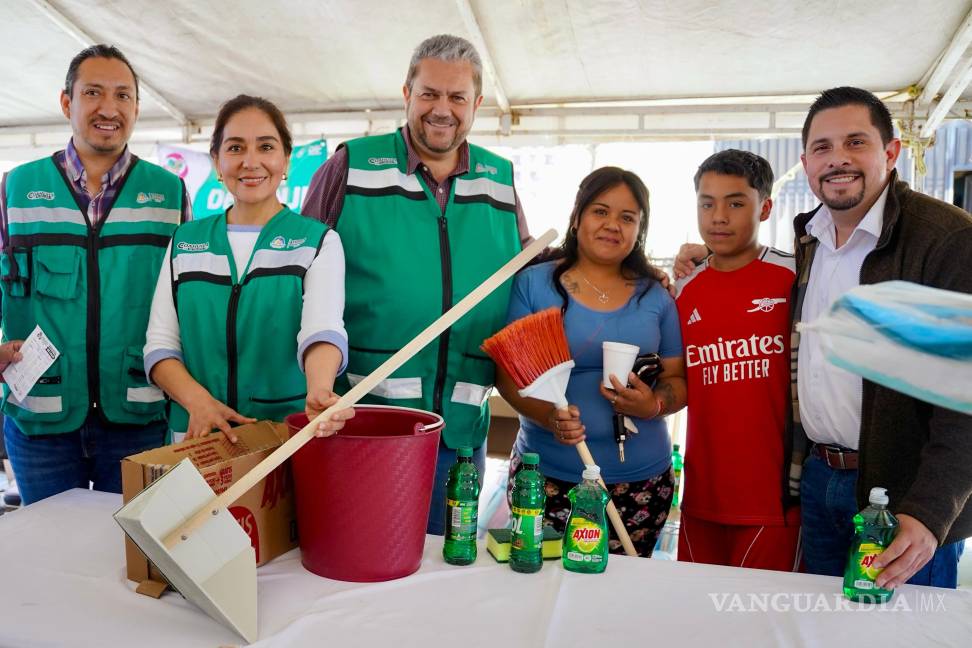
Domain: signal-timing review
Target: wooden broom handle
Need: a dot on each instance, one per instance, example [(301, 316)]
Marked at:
[(612, 510), (356, 393)]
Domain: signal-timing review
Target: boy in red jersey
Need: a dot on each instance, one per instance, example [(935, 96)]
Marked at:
[(735, 316)]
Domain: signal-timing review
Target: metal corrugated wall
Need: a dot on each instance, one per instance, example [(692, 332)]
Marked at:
[(952, 152)]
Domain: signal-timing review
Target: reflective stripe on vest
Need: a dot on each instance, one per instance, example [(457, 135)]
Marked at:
[(301, 257), (384, 182), (145, 215), (205, 262), (498, 195), (17, 215)]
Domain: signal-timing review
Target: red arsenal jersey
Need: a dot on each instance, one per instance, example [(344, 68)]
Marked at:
[(735, 331)]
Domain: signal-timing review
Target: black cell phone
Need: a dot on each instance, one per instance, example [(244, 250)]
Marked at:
[(648, 366)]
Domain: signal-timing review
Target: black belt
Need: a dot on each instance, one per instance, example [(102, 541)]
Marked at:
[(836, 457)]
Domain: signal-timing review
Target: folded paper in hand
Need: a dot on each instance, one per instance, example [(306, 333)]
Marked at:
[(39, 353)]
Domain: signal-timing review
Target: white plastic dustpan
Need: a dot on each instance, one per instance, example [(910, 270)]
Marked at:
[(217, 570), (197, 544)]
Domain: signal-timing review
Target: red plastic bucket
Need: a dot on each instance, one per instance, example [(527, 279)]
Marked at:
[(363, 495)]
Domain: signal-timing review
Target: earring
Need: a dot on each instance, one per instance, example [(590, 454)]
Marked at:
[(283, 177), (219, 178)]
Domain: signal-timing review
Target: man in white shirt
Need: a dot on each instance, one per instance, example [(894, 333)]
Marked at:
[(872, 228)]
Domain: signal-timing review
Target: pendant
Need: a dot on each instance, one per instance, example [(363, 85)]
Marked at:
[(603, 298)]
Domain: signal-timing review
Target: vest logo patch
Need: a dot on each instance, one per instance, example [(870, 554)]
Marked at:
[(192, 247), (295, 243), (485, 168), (40, 195), (377, 161), (143, 198), (278, 243)]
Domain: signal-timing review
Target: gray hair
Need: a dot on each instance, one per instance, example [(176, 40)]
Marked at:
[(446, 47)]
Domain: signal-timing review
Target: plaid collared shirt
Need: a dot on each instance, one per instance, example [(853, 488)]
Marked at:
[(99, 205)]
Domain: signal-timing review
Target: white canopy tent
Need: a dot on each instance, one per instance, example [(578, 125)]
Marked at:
[(569, 83), (557, 70)]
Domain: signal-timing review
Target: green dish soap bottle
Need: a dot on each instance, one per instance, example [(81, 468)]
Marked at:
[(586, 536), (875, 529)]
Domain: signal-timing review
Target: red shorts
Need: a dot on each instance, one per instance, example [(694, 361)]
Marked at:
[(756, 547)]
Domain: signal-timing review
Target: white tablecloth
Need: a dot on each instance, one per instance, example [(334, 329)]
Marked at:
[(62, 583)]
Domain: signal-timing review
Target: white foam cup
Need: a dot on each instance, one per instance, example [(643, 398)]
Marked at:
[(619, 359)]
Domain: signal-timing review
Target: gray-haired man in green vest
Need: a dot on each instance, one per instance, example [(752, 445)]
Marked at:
[(424, 217), (83, 236)]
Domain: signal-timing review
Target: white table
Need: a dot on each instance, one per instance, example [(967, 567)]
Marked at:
[(62, 583)]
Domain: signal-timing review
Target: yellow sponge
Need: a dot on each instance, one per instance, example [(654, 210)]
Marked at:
[(499, 542)]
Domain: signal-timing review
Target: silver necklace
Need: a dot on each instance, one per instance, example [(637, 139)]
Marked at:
[(601, 295)]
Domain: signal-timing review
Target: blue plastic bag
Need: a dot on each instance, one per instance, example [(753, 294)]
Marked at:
[(905, 336)]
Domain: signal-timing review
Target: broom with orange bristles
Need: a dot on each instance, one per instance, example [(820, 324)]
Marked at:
[(533, 350)]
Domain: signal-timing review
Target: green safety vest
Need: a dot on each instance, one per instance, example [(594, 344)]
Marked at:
[(90, 290), (239, 329), (407, 263)]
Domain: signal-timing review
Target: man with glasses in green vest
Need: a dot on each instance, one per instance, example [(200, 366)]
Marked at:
[(83, 234), (425, 217)]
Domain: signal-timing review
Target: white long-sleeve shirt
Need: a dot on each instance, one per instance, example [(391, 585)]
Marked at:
[(830, 397), (322, 311)]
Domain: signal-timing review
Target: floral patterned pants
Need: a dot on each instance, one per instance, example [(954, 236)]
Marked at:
[(643, 505)]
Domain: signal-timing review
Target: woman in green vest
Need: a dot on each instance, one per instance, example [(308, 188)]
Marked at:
[(247, 318)]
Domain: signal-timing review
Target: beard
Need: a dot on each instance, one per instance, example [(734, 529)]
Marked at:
[(451, 145), (417, 127), (105, 148), (844, 201), (99, 143)]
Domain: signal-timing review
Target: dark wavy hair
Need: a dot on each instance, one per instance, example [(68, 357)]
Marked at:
[(634, 266)]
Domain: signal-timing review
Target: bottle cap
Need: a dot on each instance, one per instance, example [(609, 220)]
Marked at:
[(879, 496), (591, 472), (531, 459), (675, 448), (464, 452)]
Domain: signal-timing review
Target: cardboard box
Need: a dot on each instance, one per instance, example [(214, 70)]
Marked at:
[(266, 512)]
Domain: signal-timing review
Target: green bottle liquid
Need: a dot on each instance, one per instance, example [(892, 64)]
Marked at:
[(677, 468), (876, 527), (586, 537), (529, 498), (462, 510)]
